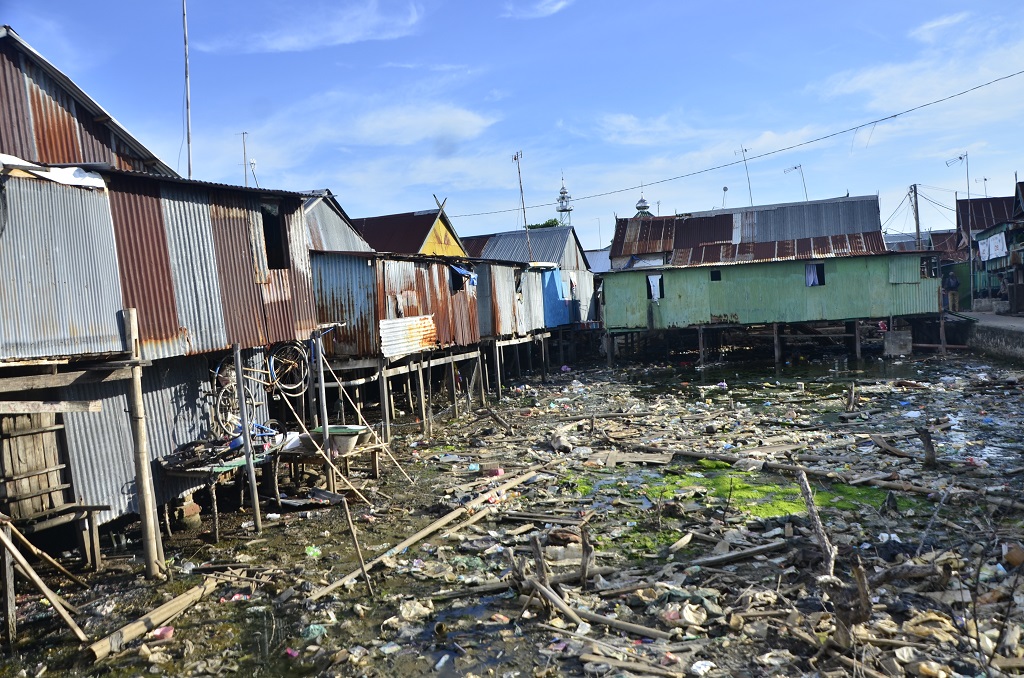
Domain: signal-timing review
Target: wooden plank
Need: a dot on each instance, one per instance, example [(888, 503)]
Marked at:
[(62, 379), (39, 406), (33, 431), (39, 492)]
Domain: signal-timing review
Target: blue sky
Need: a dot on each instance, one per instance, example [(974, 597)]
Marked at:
[(387, 102)]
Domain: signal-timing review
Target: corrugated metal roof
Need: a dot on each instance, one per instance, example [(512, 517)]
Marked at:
[(557, 244), (600, 260), (401, 233), (857, 244), (65, 122), (60, 293), (328, 228), (984, 212)]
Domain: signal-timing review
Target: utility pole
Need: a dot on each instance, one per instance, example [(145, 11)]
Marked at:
[(188, 92), (917, 218), (516, 158)]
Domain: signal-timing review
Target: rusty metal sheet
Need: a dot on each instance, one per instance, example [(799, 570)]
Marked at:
[(193, 260), (15, 124), (300, 274), (235, 218), (278, 306), (465, 320), (345, 288), (144, 263), (406, 336), (53, 117)]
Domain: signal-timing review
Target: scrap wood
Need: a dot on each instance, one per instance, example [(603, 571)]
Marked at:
[(431, 529), (501, 422), (476, 517), (847, 416), (905, 571), (742, 554), (632, 666), (483, 589), (827, 548), (554, 520), (881, 443), (42, 555), (156, 618), (635, 629), (553, 599), (55, 601)]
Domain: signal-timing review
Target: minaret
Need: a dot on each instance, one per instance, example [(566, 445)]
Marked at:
[(564, 209)]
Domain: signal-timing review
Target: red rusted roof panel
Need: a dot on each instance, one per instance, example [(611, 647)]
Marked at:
[(231, 217)]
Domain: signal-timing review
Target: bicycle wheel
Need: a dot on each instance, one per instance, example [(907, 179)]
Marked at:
[(227, 413), (289, 368)]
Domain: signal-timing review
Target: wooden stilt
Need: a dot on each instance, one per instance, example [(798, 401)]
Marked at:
[(10, 602), (143, 468), (325, 420), (561, 349), (250, 467), (213, 510), (856, 339), (481, 379), (700, 343), (455, 393), (942, 327), (519, 365), (497, 371), (529, 357), (385, 398), (421, 400), (544, 359), (778, 343)]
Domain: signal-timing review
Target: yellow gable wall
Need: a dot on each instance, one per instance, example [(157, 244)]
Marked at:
[(442, 242)]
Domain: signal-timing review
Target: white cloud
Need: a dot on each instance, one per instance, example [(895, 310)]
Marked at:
[(537, 9), (406, 125), (304, 31), (929, 32)]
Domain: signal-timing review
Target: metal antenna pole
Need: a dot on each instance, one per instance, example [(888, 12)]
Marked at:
[(804, 181), (970, 230), (743, 152), (245, 165), (188, 92), (529, 247)]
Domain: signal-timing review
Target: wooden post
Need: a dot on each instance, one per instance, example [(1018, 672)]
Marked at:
[(778, 343), (942, 326), (497, 371), (143, 468), (10, 602), (385, 397), (529, 357), (325, 420), (544, 360), (451, 376), (856, 339), (425, 426), (700, 343), (519, 367), (254, 492), (561, 348), (609, 349), (481, 379)]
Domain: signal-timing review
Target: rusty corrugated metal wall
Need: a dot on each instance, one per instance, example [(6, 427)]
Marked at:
[(144, 263), (60, 293), (345, 288), (193, 258), (15, 123), (301, 277), (234, 218)]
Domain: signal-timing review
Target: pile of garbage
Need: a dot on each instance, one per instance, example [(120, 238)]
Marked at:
[(650, 521)]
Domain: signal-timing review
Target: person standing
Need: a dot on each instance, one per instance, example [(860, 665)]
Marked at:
[(951, 285)]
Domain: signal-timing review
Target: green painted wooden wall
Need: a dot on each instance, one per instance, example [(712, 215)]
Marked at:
[(749, 294)]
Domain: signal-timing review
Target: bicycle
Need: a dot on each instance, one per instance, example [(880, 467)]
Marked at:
[(287, 371)]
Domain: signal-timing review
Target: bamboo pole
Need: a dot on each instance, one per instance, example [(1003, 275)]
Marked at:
[(555, 601), (143, 469), (635, 629), (156, 618), (428, 530), (43, 588), (42, 555), (359, 551)]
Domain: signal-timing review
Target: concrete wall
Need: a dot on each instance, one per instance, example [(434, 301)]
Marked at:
[(1001, 342)]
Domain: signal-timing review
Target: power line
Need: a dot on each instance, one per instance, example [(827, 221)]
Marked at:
[(939, 204), (941, 213), (905, 196), (761, 155)]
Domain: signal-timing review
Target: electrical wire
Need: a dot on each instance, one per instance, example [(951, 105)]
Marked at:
[(760, 155), (935, 206), (905, 196), (939, 204)]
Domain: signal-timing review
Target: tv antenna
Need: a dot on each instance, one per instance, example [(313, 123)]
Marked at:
[(522, 199), (252, 168), (743, 152), (725, 189), (984, 181), (801, 169), (962, 158)]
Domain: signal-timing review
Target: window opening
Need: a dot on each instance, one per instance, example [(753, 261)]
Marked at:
[(929, 267), (814, 275), (655, 287), (716, 275), (274, 240)]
